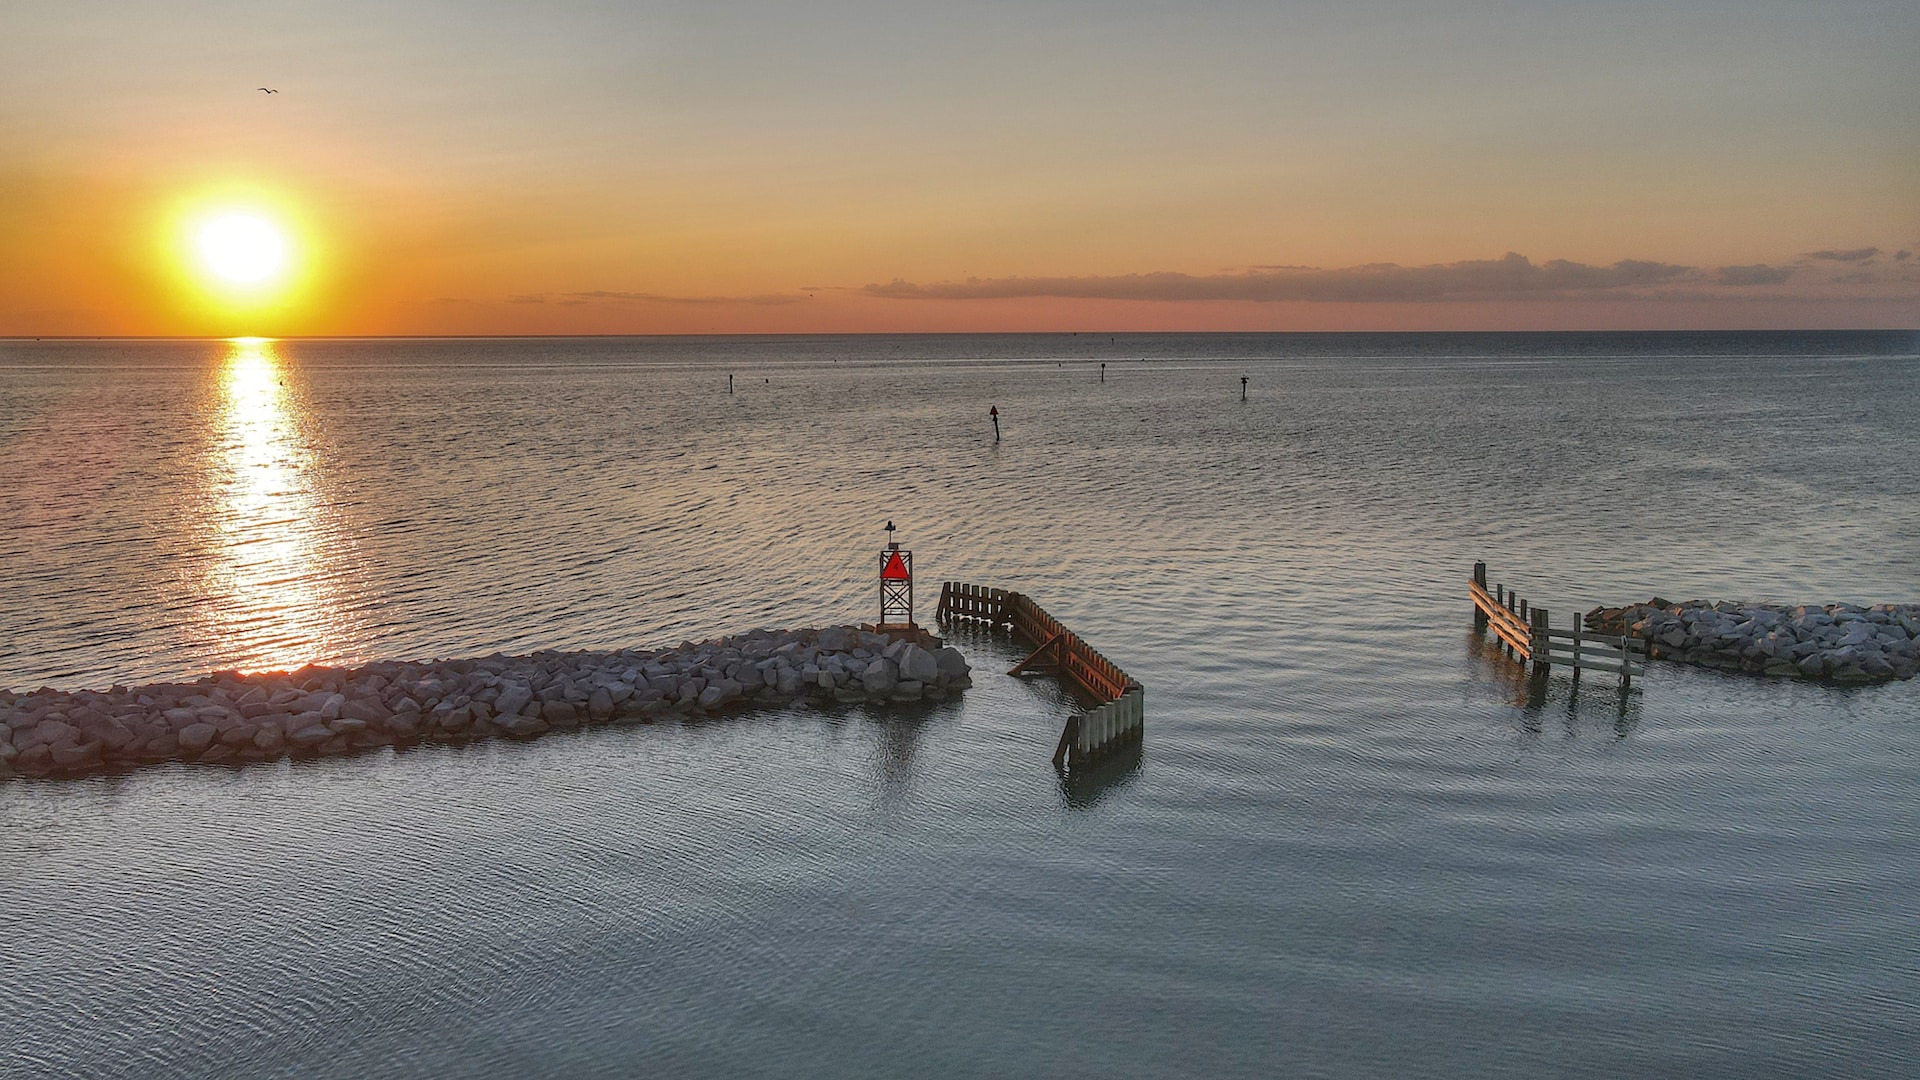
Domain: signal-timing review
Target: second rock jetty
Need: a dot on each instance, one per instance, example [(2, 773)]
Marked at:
[(1838, 642), (234, 718)]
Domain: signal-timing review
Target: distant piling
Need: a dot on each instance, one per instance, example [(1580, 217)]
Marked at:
[(1243, 388), (994, 412)]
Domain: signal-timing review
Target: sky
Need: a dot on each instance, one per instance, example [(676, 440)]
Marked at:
[(747, 166)]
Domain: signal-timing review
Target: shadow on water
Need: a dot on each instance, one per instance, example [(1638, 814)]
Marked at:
[(1086, 785)]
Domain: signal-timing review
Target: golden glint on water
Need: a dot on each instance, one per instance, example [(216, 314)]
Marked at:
[(268, 579)]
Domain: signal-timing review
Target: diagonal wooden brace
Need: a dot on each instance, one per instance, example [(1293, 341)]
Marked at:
[(1032, 661)]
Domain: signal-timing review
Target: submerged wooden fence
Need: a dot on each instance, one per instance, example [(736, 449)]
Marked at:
[(1526, 631), (1118, 718)]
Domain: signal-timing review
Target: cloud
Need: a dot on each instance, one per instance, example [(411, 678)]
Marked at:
[(1511, 277), (1759, 274), (1850, 255), (606, 296)]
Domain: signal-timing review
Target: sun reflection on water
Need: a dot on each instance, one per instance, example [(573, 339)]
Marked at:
[(270, 583)]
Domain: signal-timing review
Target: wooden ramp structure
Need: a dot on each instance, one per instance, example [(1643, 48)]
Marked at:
[(1527, 633), (1117, 719)]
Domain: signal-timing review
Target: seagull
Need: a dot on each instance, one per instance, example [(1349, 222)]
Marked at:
[(264, 90)]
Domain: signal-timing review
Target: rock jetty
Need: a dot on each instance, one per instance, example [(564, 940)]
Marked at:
[(1840, 642), (229, 718)]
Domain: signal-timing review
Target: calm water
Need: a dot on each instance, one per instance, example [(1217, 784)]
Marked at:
[(1350, 847)]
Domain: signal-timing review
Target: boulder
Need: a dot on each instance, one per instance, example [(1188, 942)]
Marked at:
[(880, 676), (918, 665), (239, 735), (951, 661), (513, 699), (35, 760), (311, 736), (197, 736), (520, 727), (56, 732), (600, 705), (370, 709), (75, 755)]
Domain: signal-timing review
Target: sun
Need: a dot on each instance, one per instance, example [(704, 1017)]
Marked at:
[(242, 249)]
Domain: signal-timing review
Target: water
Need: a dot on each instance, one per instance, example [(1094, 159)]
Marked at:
[(1349, 848)]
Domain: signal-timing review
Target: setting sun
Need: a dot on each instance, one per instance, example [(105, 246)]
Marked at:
[(242, 249), (238, 259)]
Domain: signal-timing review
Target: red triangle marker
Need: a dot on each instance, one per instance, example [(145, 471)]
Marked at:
[(895, 570)]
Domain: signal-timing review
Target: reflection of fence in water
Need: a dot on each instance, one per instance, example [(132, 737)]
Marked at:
[(1115, 722)]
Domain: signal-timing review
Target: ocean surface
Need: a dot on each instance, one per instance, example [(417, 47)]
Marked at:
[(1349, 847)]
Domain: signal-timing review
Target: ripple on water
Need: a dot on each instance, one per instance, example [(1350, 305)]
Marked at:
[(1351, 846)]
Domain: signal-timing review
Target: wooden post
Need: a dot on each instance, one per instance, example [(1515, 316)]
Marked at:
[(1539, 649), (1578, 625), (1480, 579), (1626, 662), (1067, 737), (1524, 617)]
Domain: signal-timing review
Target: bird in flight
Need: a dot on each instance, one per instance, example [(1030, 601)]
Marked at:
[(264, 90)]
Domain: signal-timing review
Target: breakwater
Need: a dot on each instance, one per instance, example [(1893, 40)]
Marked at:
[(233, 718), (1841, 642)]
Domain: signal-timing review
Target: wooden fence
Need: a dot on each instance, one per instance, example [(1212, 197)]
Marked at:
[(1527, 633), (1119, 715)]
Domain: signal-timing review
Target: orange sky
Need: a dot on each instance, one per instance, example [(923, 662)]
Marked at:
[(748, 167)]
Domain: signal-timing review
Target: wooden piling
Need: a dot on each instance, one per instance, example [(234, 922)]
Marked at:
[(1480, 579)]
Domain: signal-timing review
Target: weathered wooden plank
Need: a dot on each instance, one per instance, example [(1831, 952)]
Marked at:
[(1588, 657), (1495, 610), (1609, 640), (1612, 669), (1510, 625), (1521, 643)]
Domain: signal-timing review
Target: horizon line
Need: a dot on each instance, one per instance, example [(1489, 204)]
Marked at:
[(954, 333)]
